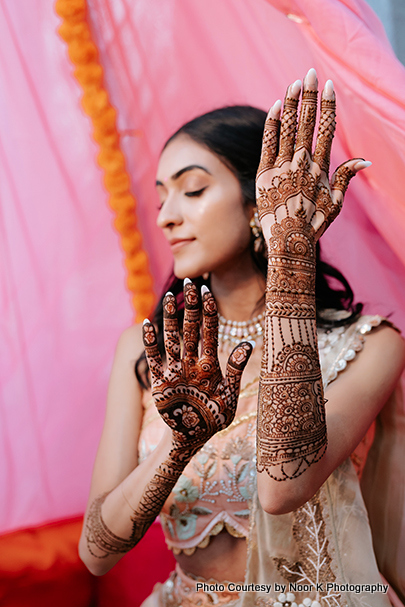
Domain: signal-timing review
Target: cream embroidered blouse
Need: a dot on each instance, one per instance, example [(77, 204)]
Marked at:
[(215, 490)]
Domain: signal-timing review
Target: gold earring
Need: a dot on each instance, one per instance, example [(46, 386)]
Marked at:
[(254, 223)]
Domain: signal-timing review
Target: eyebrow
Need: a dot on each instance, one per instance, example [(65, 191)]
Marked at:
[(191, 167)]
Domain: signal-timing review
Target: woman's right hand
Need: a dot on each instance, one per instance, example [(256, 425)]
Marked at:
[(191, 395)]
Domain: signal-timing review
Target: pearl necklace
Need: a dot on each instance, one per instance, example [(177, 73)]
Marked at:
[(233, 332)]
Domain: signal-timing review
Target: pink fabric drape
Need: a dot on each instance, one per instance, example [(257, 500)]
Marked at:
[(62, 286), (63, 300)]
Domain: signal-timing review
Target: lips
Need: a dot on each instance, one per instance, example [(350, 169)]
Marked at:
[(178, 243)]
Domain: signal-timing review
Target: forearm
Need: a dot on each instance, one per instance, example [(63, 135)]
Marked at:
[(116, 521), (291, 414)]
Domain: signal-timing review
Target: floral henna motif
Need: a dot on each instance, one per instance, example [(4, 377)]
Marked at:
[(309, 189), (286, 186), (191, 328), (291, 419), (296, 193), (193, 399)]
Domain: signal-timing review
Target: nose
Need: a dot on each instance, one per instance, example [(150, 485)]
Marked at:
[(170, 213)]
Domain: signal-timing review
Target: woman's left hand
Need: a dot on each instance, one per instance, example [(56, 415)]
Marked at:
[(292, 180), (191, 395)]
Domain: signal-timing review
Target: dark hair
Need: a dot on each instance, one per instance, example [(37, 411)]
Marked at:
[(235, 134)]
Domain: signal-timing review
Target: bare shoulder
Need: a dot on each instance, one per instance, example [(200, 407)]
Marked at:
[(124, 389), (117, 452), (385, 346), (130, 344), (368, 381)]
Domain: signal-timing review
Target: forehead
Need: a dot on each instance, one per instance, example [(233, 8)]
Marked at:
[(184, 151)]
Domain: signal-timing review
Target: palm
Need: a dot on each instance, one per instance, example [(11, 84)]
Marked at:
[(191, 394)]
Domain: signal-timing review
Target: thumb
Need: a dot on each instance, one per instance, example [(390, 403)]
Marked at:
[(237, 361), (344, 173)]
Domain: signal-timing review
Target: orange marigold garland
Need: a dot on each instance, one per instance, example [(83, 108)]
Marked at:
[(89, 73)]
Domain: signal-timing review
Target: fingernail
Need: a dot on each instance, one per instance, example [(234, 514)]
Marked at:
[(328, 90), (362, 164), (276, 107), (186, 281), (146, 321), (252, 343), (311, 77), (296, 87), (204, 289), (169, 293)]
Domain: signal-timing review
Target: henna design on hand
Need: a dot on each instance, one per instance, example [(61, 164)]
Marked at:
[(342, 178), (304, 187), (287, 131), (191, 395), (326, 131), (193, 399), (269, 145), (307, 120), (296, 203)]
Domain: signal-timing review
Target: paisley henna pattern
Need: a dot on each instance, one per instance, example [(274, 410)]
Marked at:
[(301, 185), (193, 399), (295, 205), (291, 419)]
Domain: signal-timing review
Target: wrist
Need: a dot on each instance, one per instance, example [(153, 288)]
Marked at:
[(183, 451)]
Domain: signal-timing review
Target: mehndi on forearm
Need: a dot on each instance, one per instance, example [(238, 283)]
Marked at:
[(102, 542), (291, 431)]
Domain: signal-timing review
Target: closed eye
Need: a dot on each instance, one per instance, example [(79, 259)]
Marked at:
[(196, 192)]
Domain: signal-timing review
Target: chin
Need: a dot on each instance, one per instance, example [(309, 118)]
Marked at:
[(182, 273)]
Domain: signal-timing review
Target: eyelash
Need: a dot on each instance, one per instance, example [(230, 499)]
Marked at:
[(196, 193)]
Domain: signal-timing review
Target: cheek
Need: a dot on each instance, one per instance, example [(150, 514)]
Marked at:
[(224, 211), (227, 229)]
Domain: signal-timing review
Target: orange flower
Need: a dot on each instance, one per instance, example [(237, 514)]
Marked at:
[(84, 55)]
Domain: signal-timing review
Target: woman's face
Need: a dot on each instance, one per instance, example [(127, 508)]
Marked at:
[(202, 213)]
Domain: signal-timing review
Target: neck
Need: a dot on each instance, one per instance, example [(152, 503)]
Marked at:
[(239, 292)]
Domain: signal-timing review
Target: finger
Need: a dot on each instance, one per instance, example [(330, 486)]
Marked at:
[(326, 129), (309, 105), (171, 332), (237, 361), (341, 178), (288, 124), (210, 324), (152, 353), (270, 138), (191, 326)]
